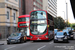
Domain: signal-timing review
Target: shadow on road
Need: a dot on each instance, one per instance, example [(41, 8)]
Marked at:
[(43, 41), (62, 42)]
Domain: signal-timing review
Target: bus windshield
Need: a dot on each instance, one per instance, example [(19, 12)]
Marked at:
[(24, 24), (38, 29), (38, 15), (23, 19)]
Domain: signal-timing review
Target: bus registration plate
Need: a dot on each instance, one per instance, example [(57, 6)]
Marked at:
[(38, 39)]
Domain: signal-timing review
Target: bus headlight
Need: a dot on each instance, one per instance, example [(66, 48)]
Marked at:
[(46, 36), (31, 37)]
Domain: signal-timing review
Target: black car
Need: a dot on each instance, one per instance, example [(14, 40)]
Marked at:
[(16, 38), (66, 30), (70, 33), (60, 36)]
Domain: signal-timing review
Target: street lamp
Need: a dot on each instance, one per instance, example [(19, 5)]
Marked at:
[(64, 14), (67, 12)]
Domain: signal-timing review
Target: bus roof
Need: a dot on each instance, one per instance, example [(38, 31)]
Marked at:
[(38, 10), (24, 16)]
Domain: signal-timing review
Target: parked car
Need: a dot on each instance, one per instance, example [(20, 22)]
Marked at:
[(16, 38), (66, 30), (60, 36)]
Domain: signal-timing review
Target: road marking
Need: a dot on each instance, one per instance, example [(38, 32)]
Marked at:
[(41, 47), (50, 42), (9, 47)]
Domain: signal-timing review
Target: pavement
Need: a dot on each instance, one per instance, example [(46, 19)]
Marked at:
[(2, 41)]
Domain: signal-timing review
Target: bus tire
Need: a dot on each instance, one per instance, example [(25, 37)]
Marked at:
[(49, 39)]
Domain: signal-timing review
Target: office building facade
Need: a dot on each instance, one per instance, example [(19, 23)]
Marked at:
[(25, 6), (9, 12), (50, 6)]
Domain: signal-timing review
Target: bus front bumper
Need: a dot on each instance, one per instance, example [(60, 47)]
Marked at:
[(39, 38)]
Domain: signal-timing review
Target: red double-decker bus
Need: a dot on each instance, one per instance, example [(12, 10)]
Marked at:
[(23, 24), (41, 25)]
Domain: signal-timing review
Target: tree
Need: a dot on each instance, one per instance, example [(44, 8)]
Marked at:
[(59, 23), (72, 25)]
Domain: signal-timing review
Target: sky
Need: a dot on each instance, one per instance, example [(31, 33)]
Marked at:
[(61, 10)]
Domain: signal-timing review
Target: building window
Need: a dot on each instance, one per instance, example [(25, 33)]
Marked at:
[(23, 7), (19, 3), (14, 16), (14, 29), (16, 0), (7, 14), (34, 3), (6, 0)]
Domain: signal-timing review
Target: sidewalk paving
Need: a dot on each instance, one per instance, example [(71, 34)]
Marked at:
[(3, 41)]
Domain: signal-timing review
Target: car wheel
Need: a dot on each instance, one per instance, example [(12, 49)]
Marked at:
[(67, 41), (8, 43), (54, 41), (25, 40), (21, 41), (72, 38)]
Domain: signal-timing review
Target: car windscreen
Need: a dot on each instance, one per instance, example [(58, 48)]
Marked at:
[(59, 33), (15, 34)]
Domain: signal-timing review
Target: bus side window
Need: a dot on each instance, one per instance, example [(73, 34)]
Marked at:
[(48, 22)]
